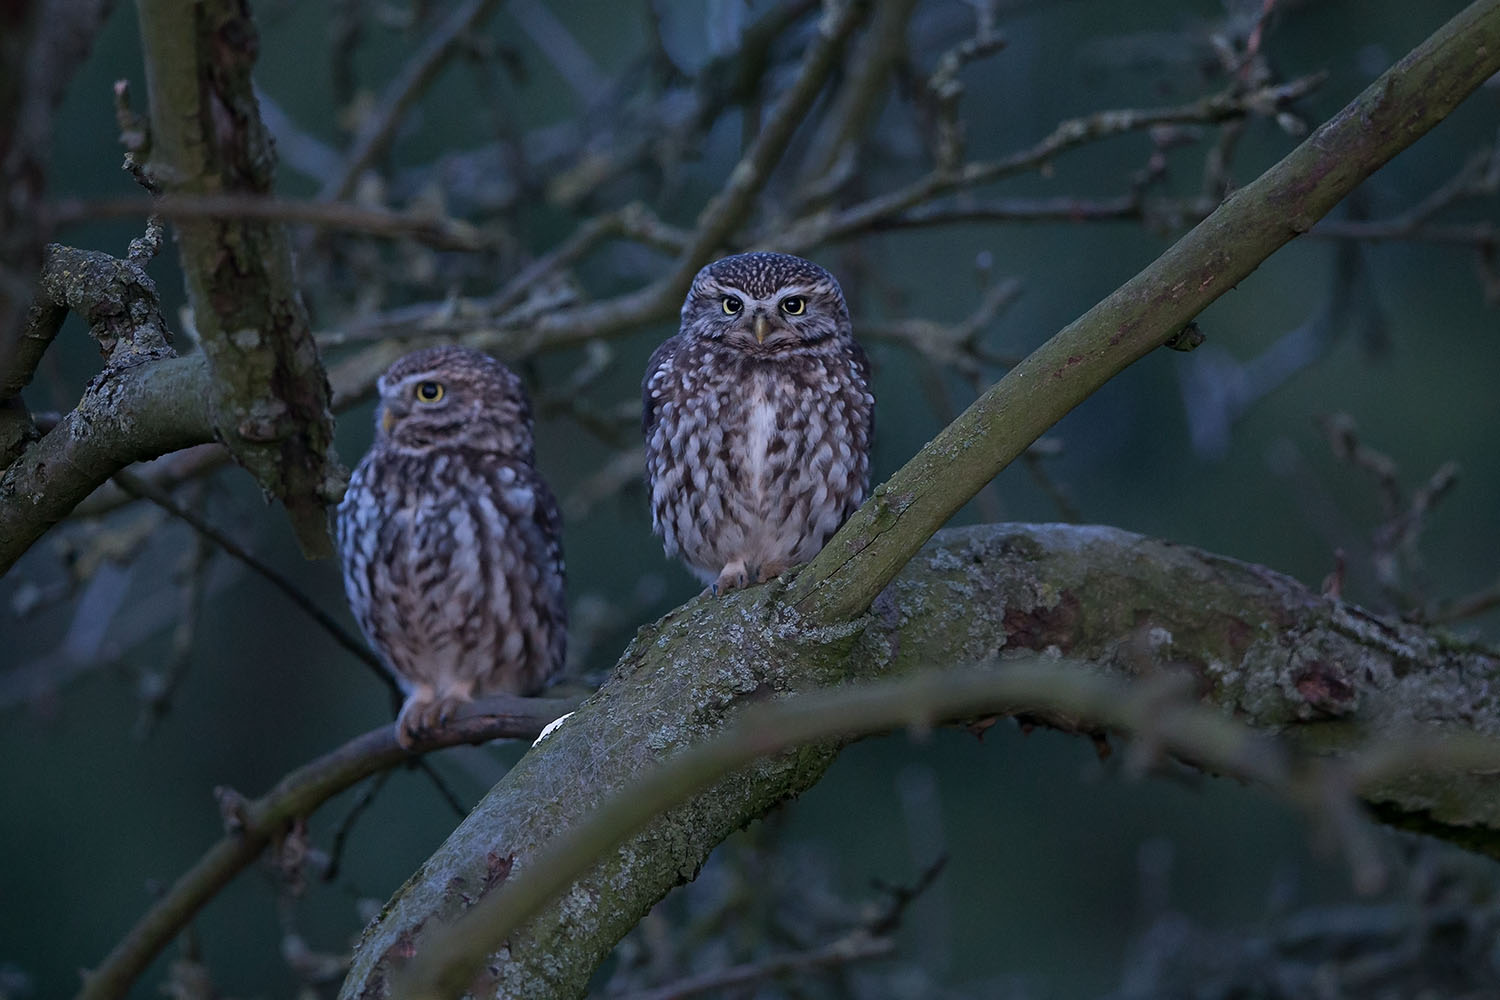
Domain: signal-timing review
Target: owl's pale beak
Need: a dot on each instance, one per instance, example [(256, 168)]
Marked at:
[(762, 327), (387, 419)]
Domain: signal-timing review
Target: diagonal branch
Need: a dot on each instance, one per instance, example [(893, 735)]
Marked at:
[(253, 825), (377, 131), (1259, 646), (1284, 202), (145, 402)]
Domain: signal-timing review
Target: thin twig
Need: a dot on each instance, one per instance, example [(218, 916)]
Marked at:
[(364, 800), (1067, 135), (1468, 606), (377, 131), (296, 795), (158, 686), (136, 486), (857, 946), (445, 791), (434, 231)]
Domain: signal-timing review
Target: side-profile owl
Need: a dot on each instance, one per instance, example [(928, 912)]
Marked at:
[(451, 541), (758, 416)]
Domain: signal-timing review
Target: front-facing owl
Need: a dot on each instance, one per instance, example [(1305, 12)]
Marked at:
[(451, 541), (758, 417)]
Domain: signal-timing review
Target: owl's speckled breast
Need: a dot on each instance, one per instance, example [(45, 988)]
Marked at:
[(755, 461)]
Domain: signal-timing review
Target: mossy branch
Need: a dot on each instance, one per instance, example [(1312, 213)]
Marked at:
[(1259, 645), (1144, 313)]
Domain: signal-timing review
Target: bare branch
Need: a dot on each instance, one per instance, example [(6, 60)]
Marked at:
[(830, 226), (377, 131), (253, 825), (1399, 107), (843, 128), (858, 946), (434, 231), (42, 43)]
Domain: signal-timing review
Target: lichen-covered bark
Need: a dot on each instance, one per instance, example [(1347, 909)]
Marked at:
[(1265, 648), (270, 393), (144, 403)]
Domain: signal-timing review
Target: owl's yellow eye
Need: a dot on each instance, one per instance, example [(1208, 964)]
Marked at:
[(731, 305), (794, 305), (428, 392)]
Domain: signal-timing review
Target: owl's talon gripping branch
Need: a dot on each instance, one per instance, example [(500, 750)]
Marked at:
[(733, 577), (425, 713)]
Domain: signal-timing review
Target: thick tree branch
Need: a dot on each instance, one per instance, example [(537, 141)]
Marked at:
[(1280, 657), (449, 960), (144, 403), (1284, 202), (127, 414), (269, 394)]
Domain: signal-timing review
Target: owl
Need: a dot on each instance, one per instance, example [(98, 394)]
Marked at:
[(451, 541), (757, 416)]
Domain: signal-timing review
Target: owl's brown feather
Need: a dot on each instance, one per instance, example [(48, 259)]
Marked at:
[(451, 540), (757, 417)]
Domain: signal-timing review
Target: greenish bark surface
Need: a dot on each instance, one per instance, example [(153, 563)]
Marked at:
[(1263, 647), (270, 394), (1149, 310)]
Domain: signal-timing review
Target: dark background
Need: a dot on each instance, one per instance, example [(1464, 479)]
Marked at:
[(1046, 844)]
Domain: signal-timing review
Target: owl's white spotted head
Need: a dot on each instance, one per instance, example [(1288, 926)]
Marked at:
[(765, 304), (454, 396)]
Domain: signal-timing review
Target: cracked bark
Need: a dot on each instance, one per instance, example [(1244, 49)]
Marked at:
[(1263, 647), (270, 395)]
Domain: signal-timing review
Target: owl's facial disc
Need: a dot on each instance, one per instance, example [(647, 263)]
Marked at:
[(765, 325)]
